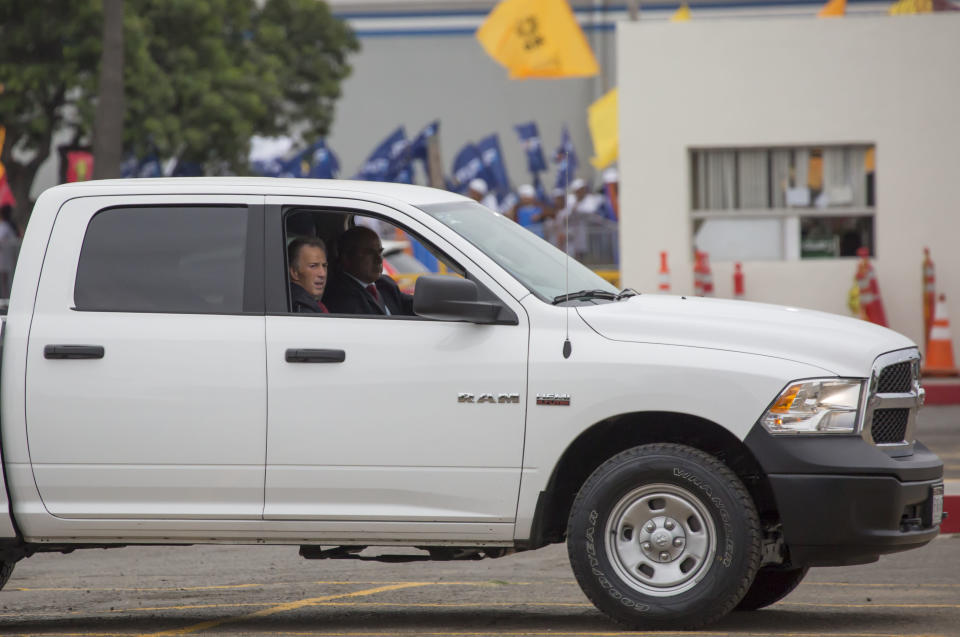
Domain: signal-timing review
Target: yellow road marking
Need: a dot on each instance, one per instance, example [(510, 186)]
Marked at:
[(187, 607), (358, 604), (63, 589), (459, 604), (281, 608)]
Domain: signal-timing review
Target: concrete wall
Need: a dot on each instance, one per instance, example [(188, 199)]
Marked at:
[(889, 81)]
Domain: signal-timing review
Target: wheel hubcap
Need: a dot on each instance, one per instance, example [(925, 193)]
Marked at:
[(660, 539)]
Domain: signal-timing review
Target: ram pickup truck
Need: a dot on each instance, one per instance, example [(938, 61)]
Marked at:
[(696, 455)]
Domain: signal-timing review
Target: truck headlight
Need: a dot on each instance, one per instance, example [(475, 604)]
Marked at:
[(817, 406)]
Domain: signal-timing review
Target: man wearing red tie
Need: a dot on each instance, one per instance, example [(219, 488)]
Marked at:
[(358, 285), (308, 274)]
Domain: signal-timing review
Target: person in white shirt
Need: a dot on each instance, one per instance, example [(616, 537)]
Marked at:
[(478, 191)]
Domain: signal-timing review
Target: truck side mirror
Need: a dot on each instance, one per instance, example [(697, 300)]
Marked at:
[(450, 298)]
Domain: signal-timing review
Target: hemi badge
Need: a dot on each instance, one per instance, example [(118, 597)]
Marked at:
[(562, 400)]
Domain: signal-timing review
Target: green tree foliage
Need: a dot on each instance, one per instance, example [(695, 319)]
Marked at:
[(201, 76)]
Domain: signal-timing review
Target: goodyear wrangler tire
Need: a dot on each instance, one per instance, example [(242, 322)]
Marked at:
[(664, 536)]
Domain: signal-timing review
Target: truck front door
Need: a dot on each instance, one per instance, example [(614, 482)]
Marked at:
[(145, 380), (420, 422)]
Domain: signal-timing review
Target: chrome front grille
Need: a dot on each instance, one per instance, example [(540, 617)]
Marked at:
[(895, 379), (893, 395), (889, 425)]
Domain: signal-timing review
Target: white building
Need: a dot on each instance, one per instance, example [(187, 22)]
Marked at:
[(721, 128)]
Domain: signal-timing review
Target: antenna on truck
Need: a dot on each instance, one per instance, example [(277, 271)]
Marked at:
[(567, 347)]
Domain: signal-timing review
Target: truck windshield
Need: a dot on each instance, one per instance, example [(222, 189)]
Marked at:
[(539, 266)]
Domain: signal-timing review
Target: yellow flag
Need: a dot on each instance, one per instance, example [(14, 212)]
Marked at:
[(833, 9), (537, 38), (682, 14), (602, 120), (909, 7)]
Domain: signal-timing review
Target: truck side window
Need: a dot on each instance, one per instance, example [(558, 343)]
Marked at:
[(186, 259), (405, 256)]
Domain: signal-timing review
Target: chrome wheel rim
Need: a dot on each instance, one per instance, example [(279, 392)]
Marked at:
[(660, 539)]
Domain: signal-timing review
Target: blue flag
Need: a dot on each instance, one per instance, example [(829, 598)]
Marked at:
[(187, 169), (530, 140), (267, 167), (566, 159), (323, 163), (129, 166), (387, 159), (468, 165), (418, 147), (150, 167), (498, 181), (316, 161), (405, 176)]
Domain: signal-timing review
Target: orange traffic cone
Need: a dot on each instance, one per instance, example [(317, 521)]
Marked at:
[(871, 306), (664, 275), (738, 281), (939, 360), (698, 273), (707, 276), (929, 294)]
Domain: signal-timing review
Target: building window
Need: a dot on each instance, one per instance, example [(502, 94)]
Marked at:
[(802, 202)]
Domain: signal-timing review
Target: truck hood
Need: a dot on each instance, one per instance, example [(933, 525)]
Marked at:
[(838, 344)]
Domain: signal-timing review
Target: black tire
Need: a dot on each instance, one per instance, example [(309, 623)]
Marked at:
[(770, 586), (664, 536), (6, 568)]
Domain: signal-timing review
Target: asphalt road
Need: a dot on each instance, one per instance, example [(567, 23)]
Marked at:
[(258, 590), (271, 591)]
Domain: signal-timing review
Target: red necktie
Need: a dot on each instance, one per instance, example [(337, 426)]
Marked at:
[(323, 307), (372, 289)]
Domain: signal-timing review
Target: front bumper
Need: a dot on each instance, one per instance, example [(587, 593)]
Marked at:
[(842, 500)]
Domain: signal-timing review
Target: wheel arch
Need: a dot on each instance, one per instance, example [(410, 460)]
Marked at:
[(610, 436)]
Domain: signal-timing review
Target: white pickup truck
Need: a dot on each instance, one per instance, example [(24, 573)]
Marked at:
[(696, 455)]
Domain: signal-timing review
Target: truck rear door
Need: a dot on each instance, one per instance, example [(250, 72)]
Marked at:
[(146, 381)]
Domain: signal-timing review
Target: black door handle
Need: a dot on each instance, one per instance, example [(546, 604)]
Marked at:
[(73, 351), (316, 356)]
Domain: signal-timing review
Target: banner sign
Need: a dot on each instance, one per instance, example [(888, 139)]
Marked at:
[(489, 149), (530, 140)]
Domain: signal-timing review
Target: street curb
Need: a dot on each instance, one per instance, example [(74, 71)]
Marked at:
[(951, 506), (942, 391)]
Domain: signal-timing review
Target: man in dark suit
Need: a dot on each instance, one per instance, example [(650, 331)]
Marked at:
[(358, 285), (307, 259)]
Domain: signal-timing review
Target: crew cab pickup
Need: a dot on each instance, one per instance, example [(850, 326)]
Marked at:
[(696, 455)]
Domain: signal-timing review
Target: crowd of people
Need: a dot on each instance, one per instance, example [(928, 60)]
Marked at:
[(578, 218)]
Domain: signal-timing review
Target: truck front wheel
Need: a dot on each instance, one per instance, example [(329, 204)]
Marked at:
[(664, 536)]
